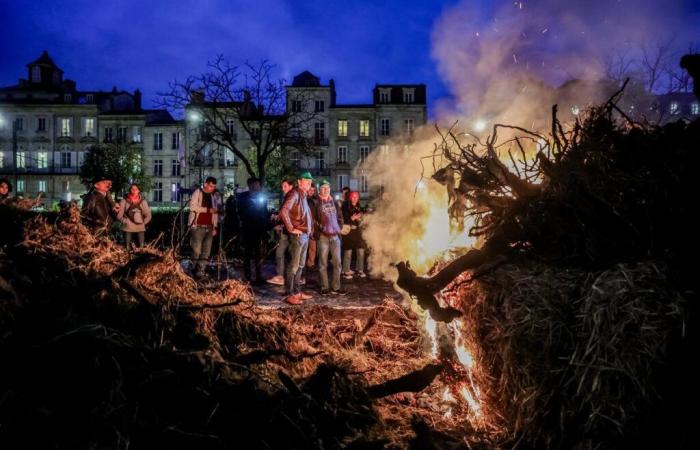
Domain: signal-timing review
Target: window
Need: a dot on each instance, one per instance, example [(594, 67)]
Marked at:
[(108, 134), (2, 160), (176, 168), (231, 127), (384, 150), (20, 186), (294, 159), (384, 95), (409, 126), (121, 134), (695, 109), (342, 128), (158, 191), (175, 192), (67, 98), (385, 129), (158, 168), (364, 153), (66, 160), (136, 134), (19, 123), (42, 159), (674, 108), (175, 141), (89, 98), (89, 126), (21, 160), (342, 181), (321, 160), (408, 95), (320, 106), (364, 128), (342, 155), (41, 184), (319, 133), (36, 74), (296, 105), (157, 141), (363, 183), (65, 127), (41, 124)]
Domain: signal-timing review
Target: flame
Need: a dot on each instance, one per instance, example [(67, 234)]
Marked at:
[(431, 329)]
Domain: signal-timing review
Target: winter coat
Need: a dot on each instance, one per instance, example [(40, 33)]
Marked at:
[(97, 209), (353, 240), (197, 208), (126, 215)]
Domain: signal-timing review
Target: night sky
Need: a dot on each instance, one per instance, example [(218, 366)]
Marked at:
[(145, 44)]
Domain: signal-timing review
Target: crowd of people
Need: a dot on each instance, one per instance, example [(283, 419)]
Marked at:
[(310, 229)]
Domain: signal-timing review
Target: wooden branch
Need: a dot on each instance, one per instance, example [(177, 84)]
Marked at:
[(412, 382)]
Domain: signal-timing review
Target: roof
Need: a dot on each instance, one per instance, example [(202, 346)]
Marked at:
[(44, 60), (306, 79)]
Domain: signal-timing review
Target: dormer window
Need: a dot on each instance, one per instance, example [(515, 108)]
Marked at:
[(67, 98), (89, 98), (384, 95), (36, 74), (409, 95)]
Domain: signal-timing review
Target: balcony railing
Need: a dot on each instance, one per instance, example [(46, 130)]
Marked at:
[(51, 169)]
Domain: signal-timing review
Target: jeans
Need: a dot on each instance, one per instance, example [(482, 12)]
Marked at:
[(359, 263), (298, 244), (200, 241), (281, 253), (326, 244), (129, 235), (311, 259)]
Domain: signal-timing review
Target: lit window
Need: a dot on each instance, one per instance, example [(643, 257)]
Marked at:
[(342, 155), (364, 128), (2, 160), (136, 134), (158, 168), (20, 186), (674, 109), (89, 126), (384, 150), (408, 95), (42, 160), (36, 74), (364, 153), (157, 141), (42, 186), (175, 192), (409, 126), (364, 185), (21, 160), (342, 128), (695, 109), (65, 127), (385, 129)]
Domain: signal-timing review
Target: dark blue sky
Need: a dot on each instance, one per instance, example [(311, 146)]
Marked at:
[(144, 44)]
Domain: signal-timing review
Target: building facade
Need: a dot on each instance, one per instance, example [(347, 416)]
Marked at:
[(47, 125)]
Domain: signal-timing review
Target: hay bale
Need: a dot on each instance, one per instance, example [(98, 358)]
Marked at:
[(566, 356)]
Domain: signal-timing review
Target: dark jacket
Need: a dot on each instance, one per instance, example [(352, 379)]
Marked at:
[(253, 214), (328, 219), (295, 213), (97, 210), (353, 240)]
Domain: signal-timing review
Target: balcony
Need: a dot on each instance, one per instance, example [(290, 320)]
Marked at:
[(51, 169)]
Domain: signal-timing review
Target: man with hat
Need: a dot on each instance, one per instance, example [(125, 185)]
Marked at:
[(328, 222), (99, 209), (296, 218)]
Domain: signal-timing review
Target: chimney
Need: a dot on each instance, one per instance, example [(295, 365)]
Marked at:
[(137, 99), (331, 83)]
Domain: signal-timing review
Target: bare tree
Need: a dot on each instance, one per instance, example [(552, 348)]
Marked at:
[(226, 99)]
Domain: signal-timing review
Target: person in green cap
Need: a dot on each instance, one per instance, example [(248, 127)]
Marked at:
[(298, 223), (329, 222)]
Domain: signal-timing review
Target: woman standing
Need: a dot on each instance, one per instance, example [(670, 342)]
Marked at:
[(352, 216), (135, 214)]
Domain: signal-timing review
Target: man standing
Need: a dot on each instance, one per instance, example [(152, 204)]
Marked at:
[(283, 239), (252, 209), (312, 199), (296, 217), (329, 222), (99, 209), (203, 222)]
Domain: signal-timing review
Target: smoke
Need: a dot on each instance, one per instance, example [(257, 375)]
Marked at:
[(505, 62)]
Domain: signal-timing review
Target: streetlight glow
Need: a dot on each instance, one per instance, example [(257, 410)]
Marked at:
[(479, 125)]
